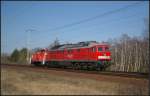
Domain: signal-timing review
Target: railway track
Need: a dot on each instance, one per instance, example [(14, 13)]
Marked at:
[(108, 73)]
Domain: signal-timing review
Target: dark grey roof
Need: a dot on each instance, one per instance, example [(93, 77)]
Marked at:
[(77, 45)]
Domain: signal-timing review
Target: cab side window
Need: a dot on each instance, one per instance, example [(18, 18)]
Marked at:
[(93, 49), (106, 49), (78, 50), (69, 51), (42, 51), (100, 49)]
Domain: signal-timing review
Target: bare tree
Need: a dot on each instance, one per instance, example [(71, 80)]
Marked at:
[(130, 54), (54, 44)]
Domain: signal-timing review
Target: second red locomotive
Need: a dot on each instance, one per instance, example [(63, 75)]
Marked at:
[(81, 55)]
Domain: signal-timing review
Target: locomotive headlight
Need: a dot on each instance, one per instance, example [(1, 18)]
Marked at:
[(108, 57), (103, 57)]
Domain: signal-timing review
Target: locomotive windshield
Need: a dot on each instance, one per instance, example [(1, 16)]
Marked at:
[(100, 49), (106, 49), (42, 50), (103, 49)]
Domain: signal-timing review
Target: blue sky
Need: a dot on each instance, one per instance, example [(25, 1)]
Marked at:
[(42, 16)]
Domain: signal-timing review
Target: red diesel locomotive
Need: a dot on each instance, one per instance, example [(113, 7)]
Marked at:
[(90, 54)]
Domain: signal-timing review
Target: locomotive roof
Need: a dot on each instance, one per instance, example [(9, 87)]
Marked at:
[(77, 45)]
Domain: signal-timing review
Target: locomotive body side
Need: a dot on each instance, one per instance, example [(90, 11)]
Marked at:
[(97, 55), (39, 57)]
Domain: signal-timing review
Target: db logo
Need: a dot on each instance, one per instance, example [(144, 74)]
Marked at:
[(69, 55)]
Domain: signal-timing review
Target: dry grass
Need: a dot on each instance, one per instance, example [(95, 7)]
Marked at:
[(27, 82)]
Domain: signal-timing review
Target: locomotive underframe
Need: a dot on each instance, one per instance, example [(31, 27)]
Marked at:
[(75, 64)]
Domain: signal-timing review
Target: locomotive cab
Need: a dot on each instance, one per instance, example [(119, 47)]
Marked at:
[(103, 53), (38, 58), (103, 56)]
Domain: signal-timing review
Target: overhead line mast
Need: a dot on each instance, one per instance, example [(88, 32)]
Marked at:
[(28, 44)]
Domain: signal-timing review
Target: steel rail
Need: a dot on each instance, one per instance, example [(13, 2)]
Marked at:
[(108, 73)]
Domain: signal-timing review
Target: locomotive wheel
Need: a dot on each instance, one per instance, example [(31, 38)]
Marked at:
[(36, 64), (77, 66), (103, 68), (98, 69), (49, 64), (73, 66), (82, 66), (62, 66), (88, 66), (46, 64)]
